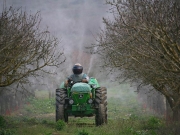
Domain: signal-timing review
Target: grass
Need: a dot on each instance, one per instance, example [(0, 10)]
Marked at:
[(125, 117)]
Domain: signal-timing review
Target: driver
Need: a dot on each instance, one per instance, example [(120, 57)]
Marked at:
[(78, 75)]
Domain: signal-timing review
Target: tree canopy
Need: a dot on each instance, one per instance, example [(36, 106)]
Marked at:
[(24, 47)]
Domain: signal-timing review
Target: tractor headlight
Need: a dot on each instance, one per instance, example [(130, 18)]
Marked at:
[(71, 101), (90, 101)]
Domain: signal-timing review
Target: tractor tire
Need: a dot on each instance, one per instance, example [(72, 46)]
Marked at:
[(61, 94), (61, 114), (100, 117), (101, 100), (101, 96)]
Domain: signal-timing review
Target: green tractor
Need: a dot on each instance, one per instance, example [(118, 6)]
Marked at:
[(82, 100)]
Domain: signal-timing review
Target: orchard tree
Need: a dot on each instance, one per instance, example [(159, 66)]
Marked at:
[(143, 42), (24, 48)]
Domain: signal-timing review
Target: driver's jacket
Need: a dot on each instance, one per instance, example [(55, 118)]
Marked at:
[(78, 78)]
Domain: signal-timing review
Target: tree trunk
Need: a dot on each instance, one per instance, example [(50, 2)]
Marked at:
[(176, 114)]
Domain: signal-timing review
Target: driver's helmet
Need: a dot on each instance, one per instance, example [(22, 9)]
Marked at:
[(77, 69)]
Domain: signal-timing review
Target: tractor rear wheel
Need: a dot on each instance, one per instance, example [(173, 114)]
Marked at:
[(101, 105), (61, 114)]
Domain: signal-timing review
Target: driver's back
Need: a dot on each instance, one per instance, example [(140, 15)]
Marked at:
[(77, 78)]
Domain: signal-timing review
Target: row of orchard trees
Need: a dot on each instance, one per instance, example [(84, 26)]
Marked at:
[(26, 52), (143, 42)]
